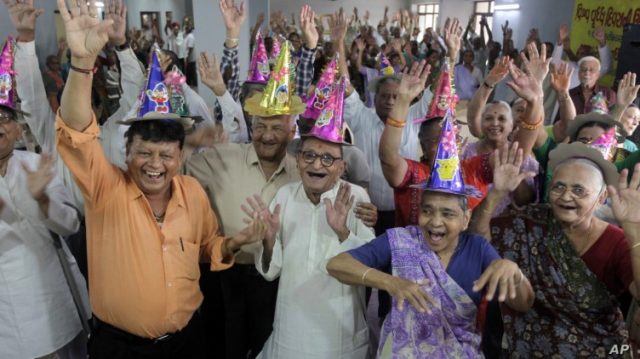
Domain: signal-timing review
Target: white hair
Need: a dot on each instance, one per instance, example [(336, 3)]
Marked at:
[(588, 58), (499, 103), (585, 163)]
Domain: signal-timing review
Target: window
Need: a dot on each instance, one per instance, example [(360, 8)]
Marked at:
[(427, 17), (481, 8)]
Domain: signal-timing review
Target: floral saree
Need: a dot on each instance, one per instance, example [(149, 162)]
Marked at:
[(573, 315)]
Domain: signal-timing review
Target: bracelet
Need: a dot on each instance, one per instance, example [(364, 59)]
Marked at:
[(83, 71), (485, 84), (635, 245), (519, 281), (533, 127), (231, 42), (396, 123), (365, 274)]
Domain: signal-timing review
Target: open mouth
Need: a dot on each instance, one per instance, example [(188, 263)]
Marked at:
[(436, 236), (567, 207), (317, 175), (494, 131), (154, 176)]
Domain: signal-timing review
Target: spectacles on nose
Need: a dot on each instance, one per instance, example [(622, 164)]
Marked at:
[(326, 160), (6, 118), (559, 190)]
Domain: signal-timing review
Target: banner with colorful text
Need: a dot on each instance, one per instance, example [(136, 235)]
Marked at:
[(612, 15)]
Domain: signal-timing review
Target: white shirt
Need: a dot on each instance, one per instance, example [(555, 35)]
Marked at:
[(605, 62), (189, 43), (316, 316), (367, 129), (233, 120), (175, 43), (37, 312), (42, 120)]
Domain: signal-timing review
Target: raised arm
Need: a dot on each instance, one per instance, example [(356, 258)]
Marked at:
[(394, 167), (482, 94), (561, 81), (234, 17), (627, 93), (603, 50), (310, 36), (86, 36), (338, 24)]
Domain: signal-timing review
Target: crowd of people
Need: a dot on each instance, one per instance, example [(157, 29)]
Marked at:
[(484, 199)]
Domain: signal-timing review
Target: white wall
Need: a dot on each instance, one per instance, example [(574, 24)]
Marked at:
[(178, 7), (546, 15), (255, 8), (460, 9)]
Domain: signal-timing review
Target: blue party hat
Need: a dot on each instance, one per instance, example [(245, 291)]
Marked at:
[(156, 96)]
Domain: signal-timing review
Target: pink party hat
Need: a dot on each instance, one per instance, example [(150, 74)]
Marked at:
[(599, 104), (259, 67), (8, 95), (606, 143), (275, 49), (324, 89), (444, 97), (385, 66), (329, 125)]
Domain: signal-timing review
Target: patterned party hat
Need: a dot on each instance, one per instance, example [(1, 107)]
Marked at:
[(156, 95), (599, 104), (329, 126), (606, 143), (275, 48), (385, 66), (259, 67), (8, 94), (444, 97), (324, 89), (277, 98)]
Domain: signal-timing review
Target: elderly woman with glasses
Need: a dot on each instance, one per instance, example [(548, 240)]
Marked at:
[(576, 262)]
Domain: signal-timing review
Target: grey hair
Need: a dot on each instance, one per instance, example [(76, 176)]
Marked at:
[(463, 201), (587, 163), (588, 58), (500, 103), (385, 80)]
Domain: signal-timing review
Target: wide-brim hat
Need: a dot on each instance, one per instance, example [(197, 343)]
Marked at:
[(578, 150), (15, 110), (186, 122), (576, 125), (252, 106)]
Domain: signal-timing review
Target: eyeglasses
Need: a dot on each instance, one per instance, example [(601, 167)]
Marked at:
[(6, 118), (578, 192), (326, 160)]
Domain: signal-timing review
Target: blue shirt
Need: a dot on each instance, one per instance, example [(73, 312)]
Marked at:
[(472, 256)]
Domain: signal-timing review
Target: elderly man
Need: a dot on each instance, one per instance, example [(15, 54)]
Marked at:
[(147, 226), (37, 311), (311, 221), (583, 94)]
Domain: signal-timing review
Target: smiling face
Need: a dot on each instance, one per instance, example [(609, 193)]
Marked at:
[(442, 219), (271, 135), (497, 122), (630, 119), (152, 165), (589, 73), (316, 178), (576, 191)]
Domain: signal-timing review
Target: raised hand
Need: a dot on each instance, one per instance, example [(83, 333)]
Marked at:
[(254, 232), (627, 90), (338, 25), (561, 77), (38, 179), (502, 275), (210, 75), (360, 45), (413, 82), (499, 71), (524, 85), (23, 16), (233, 16), (402, 290), (117, 12), (453, 37), (599, 35), (625, 198), (563, 34), (338, 211), (86, 33), (533, 35), (507, 32), (257, 207), (366, 212), (507, 161), (310, 34), (537, 64)]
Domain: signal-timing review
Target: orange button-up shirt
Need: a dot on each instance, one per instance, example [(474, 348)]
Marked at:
[(143, 277)]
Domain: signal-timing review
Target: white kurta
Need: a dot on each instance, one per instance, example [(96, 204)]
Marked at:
[(316, 316), (37, 313)]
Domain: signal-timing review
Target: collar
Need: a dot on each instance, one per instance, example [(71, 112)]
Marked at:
[(287, 164), (330, 194), (134, 192)]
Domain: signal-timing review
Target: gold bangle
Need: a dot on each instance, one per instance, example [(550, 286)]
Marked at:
[(635, 245), (365, 274), (396, 123), (533, 127)]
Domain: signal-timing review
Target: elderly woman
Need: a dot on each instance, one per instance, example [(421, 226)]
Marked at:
[(630, 119), (440, 270), (577, 262), (493, 123)]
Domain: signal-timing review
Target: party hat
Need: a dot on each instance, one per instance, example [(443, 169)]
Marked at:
[(599, 104), (385, 66), (155, 96), (259, 67), (275, 48), (605, 143), (329, 125), (8, 94), (277, 98), (444, 97), (317, 102)]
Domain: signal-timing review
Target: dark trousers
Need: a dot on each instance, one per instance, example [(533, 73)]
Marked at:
[(386, 220), (212, 311), (108, 342), (191, 74), (250, 304)]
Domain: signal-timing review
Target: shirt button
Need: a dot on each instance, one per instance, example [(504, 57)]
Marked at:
[(164, 248), (169, 284)]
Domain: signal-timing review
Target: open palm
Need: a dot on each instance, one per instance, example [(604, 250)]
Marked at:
[(413, 83), (506, 171), (38, 179), (23, 15), (625, 198), (537, 65), (233, 16), (338, 211), (524, 85), (117, 12), (308, 27), (86, 33), (453, 36), (256, 207), (561, 77), (209, 70)]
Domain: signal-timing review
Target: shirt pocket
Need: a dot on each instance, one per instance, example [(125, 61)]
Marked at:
[(187, 260)]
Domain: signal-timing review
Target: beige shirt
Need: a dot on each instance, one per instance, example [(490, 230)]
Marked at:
[(229, 174)]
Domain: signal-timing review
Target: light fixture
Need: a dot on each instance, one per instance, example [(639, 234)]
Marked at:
[(506, 7)]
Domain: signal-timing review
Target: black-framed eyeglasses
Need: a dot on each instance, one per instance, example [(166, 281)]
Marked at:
[(326, 159)]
